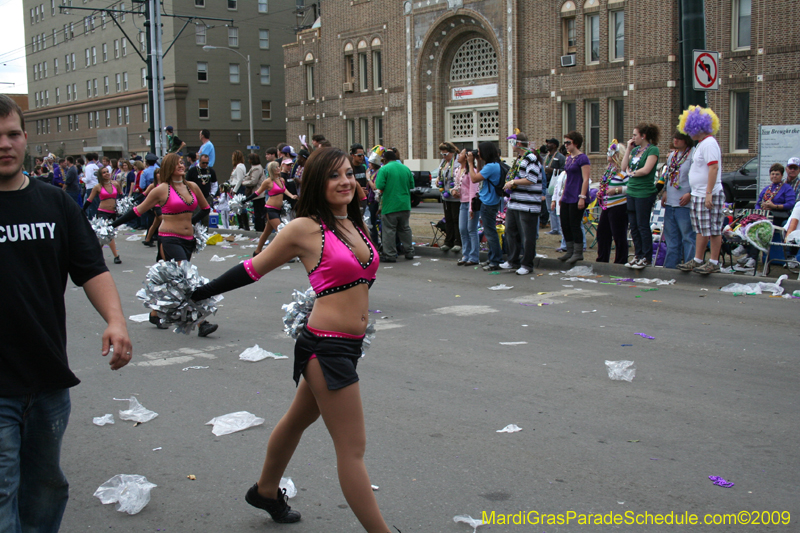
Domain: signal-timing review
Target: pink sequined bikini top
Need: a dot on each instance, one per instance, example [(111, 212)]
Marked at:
[(338, 268), (105, 195), (175, 204)]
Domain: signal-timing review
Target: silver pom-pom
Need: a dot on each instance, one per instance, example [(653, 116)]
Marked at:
[(299, 309), (103, 229), (124, 205), (237, 203), (286, 214), (200, 237), (167, 290)]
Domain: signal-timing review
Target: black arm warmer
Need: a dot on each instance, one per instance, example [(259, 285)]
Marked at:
[(251, 197), (127, 217), (232, 279), (200, 214), (86, 204)]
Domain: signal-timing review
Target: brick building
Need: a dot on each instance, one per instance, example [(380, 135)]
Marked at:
[(413, 74), (88, 88)]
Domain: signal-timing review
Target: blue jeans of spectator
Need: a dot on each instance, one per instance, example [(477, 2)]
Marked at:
[(639, 210), (679, 234), (33, 490), (468, 227), (77, 197), (555, 221), (91, 211), (489, 219)]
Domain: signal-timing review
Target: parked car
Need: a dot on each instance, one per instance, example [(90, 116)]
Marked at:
[(425, 187), (741, 185)]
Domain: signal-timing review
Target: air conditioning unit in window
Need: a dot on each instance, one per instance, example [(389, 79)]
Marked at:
[(347, 87), (568, 60)]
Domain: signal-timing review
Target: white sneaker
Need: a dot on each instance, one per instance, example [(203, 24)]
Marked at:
[(739, 250), (632, 262), (522, 271), (638, 264), (742, 261), (506, 266), (748, 265)]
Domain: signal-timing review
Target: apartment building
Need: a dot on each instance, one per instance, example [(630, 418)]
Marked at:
[(413, 74), (88, 84)]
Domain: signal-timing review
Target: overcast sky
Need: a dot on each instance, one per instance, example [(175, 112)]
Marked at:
[(12, 48)]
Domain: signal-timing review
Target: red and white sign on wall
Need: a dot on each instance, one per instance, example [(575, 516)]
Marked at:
[(706, 70), (475, 91)]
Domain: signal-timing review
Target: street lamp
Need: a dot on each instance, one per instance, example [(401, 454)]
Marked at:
[(249, 88)]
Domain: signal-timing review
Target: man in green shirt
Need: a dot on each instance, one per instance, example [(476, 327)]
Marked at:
[(395, 182), (174, 144)]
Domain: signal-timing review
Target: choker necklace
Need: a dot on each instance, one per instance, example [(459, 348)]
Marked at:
[(340, 217), (173, 181)]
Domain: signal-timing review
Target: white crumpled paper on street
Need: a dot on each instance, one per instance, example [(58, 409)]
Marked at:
[(144, 317), (255, 353), (501, 287), (474, 523), (135, 412), (103, 420), (233, 422), (130, 492), (621, 370), (511, 428), (288, 484)]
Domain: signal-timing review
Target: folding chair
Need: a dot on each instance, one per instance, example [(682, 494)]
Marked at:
[(591, 219), (780, 252), (657, 228), (438, 229), (765, 256)]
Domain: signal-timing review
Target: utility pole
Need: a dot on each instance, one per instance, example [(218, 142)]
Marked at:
[(692, 31)]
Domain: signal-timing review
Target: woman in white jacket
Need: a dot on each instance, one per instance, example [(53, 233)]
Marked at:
[(237, 176), (555, 206)]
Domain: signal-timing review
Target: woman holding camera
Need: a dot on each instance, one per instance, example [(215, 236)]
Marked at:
[(467, 219), (641, 157), (574, 197), (489, 178)]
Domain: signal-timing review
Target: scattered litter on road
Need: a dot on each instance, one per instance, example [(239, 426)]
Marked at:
[(626, 344), (543, 303), (651, 281), (135, 412), (568, 286), (513, 343), (134, 238), (288, 484), (651, 289), (388, 267), (584, 280), (255, 353), (511, 428), (645, 335), (721, 482), (621, 370), (156, 449), (501, 287), (130, 492), (233, 422), (579, 271), (416, 264), (287, 267), (144, 317), (434, 259), (375, 487), (193, 368), (103, 420), (738, 289), (191, 477), (474, 523), (217, 259), (592, 311)]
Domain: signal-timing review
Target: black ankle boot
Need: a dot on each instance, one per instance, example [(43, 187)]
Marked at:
[(277, 508)]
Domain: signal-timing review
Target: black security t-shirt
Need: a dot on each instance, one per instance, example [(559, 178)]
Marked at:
[(360, 173), (43, 237)]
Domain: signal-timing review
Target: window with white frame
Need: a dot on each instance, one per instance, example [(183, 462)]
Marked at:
[(200, 34), (97, 118), (58, 95), (145, 116), (116, 48), (72, 59), (36, 100), (88, 57), (76, 122), (363, 127), (592, 39), (266, 110), (55, 66), (740, 121), (263, 39), (199, 3), (236, 110), (202, 71), (90, 119), (124, 47), (105, 84), (311, 130), (58, 124), (263, 7), (119, 116), (127, 115), (202, 109), (69, 93), (377, 70), (55, 37), (378, 129), (105, 52), (475, 59), (741, 32), (616, 119), (616, 33), (265, 75), (118, 79), (568, 117), (349, 68), (351, 131), (108, 118), (45, 69), (47, 97), (94, 55), (310, 81), (103, 19), (122, 15), (144, 76), (94, 87), (35, 71), (124, 81), (592, 127), (233, 37), (233, 72), (142, 41), (70, 122), (363, 72)]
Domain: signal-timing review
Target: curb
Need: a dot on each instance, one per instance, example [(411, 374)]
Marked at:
[(606, 269)]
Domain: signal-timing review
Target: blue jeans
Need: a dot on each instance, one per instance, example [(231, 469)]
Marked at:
[(680, 236), (489, 219), (33, 490), (468, 227), (77, 197)]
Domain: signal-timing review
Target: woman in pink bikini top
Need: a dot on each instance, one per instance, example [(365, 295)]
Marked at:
[(108, 192), (330, 239)]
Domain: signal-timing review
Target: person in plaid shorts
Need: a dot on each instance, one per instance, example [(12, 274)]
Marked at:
[(705, 179)]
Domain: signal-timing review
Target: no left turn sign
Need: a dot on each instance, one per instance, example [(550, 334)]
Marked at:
[(706, 70)]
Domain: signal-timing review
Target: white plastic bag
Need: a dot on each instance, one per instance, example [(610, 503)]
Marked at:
[(288, 484), (103, 420), (217, 259), (621, 370), (580, 271), (511, 428), (501, 287), (144, 317), (650, 281), (474, 523), (135, 412), (130, 492), (255, 353), (233, 422), (757, 288)]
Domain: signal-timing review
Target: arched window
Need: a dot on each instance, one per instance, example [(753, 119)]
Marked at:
[(475, 59), (569, 5)]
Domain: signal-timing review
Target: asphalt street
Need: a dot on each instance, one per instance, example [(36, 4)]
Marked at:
[(715, 394)]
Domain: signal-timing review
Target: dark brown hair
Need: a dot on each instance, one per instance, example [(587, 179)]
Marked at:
[(313, 201), (777, 167), (649, 132), (683, 137), (168, 166), (8, 106), (254, 159), (236, 158), (576, 138), (448, 147)]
